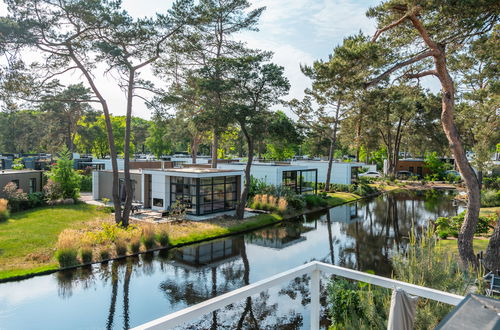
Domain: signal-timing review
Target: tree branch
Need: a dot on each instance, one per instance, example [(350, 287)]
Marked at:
[(401, 65), (421, 74), (388, 27)]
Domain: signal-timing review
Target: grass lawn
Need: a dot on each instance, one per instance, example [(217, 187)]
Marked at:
[(451, 244), (489, 210), (192, 231), (27, 239), (338, 198)]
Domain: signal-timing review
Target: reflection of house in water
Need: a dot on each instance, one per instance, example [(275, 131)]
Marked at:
[(209, 254), (279, 237), (347, 213)]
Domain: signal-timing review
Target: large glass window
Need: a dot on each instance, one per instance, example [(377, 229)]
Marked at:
[(32, 185), (205, 195), (301, 181)]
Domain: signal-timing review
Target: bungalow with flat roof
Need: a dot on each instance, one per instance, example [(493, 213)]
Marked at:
[(201, 190), (30, 181), (301, 179), (342, 172)]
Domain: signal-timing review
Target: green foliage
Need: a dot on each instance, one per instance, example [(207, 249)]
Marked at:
[(314, 201), (67, 257), (344, 302), (104, 253), (18, 199), (52, 190), (491, 182), (362, 306), (17, 164), (163, 238), (257, 186), (490, 198), (86, 183), (86, 255), (425, 264), (278, 152), (64, 174), (363, 189), (436, 166), (36, 199), (451, 225)]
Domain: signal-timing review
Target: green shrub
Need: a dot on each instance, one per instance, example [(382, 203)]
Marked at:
[(452, 225), (86, 254), (67, 257), (314, 201), (64, 174), (491, 182), (36, 199), (443, 234), (490, 198), (365, 190), (344, 302), (86, 183)]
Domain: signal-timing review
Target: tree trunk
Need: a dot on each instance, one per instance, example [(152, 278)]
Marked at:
[(126, 151), (109, 130), (330, 165), (240, 210), (469, 225), (215, 147), (492, 259), (194, 147)]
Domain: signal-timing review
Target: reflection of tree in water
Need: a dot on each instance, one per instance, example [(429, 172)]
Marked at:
[(85, 277), (68, 279), (254, 312)]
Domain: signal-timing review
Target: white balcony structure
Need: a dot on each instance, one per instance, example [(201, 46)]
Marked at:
[(314, 270)]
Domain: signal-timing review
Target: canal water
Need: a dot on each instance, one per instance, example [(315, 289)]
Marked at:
[(127, 293)]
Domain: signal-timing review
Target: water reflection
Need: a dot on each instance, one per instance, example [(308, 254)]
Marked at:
[(132, 291)]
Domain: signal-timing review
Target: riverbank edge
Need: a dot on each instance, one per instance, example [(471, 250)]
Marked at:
[(265, 220)]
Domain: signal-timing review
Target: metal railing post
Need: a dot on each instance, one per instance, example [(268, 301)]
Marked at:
[(315, 303)]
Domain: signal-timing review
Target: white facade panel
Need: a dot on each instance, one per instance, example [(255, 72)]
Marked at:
[(95, 185)]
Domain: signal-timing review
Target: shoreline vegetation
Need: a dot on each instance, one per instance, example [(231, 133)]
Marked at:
[(29, 239)]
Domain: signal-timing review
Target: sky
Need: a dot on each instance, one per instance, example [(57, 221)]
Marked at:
[(297, 31)]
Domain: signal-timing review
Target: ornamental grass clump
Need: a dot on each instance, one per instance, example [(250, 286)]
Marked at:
[(121, 247), (282, 205), (163, 237), (4, 209), (86, 254), (148, 237), (67, 248), (105, 253), (135, 244)]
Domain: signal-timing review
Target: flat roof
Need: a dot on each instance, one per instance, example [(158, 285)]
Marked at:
[(10, 171), (198, 170)]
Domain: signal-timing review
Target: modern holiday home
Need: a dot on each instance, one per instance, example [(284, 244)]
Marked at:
[(341, 173), (201, 190), (30, 181), (301, 179)]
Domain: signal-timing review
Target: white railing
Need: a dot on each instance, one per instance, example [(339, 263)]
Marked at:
[(313, 269)]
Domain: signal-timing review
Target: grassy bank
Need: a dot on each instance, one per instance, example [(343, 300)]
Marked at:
[(480, 244), (27, 239)]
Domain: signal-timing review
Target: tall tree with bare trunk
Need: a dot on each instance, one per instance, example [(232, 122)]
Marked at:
[(423, 35)]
